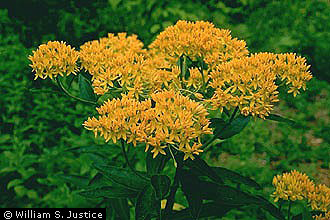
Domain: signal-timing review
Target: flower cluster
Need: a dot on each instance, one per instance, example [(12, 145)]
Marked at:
[(322, 217), (198, 39), (175, 120), (249, 83), (54, 58), (292, 186), (122, 59), (319, 198), (214, 69), (297, 186)]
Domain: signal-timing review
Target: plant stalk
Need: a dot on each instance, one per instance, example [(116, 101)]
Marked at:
[(209, 142), (289, 210), (60, 84), (128, 163), (174, 188)]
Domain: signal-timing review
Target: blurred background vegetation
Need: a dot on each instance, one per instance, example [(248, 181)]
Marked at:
[(37, 128)]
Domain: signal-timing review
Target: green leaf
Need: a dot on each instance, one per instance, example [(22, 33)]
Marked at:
[(202, 167), (109, 192), (273, 210), (69, 79), (234, 197), (235, 177), (224, 194), (98, 158), (190, 187), (218, 124), (121, 208), (279, 118), (85, 89), (98, 181), (122, 176), (161, 184), (307, 215), (14, 182), (208, 210), (80, 181), (147, 205), (156, 165), (235, 127)]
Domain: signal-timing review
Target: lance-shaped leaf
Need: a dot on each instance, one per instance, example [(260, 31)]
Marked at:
[(98, 181), (202, 167), (279, 118), (147, 205), (208, 210), (307, 215), (122, 176), (156, 165), (227, 174), (80, 181), (99, 158), (234, 197), (69, 79), (161, 184), (190, 187), (218, 124), (121, 208), (273, 210), (235, 127), (85, 88), (109, 192)]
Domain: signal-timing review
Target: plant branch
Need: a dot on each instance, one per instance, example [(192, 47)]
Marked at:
[(289, 210), (128, 163), (60, 84), (233, 115), (209, 142), (174, 188), (201, 70)]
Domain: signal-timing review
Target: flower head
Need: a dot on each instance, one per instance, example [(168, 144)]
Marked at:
[(54, 58), (319, 198), (175, 119), (249, 82), (297, 186), (122, 60), (200, 39), (292, 186), (326, 216)]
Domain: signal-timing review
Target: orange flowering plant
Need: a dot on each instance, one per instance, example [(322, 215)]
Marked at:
[(192, 85)]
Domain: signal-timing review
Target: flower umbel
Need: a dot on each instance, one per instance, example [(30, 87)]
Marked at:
[(319, 198), (200, 39), (249, 82), (174, 120), (54, 58), (297, 186), (292, 186)]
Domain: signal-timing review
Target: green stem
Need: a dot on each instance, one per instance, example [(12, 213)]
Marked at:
[(128, 163), (174, 188), (209, 142), (289, 210), (60, 84), (280, 205), (233, 115), (226, 112), (183, 70)]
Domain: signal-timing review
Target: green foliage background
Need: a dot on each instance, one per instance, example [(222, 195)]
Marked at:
[(37, 128)]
